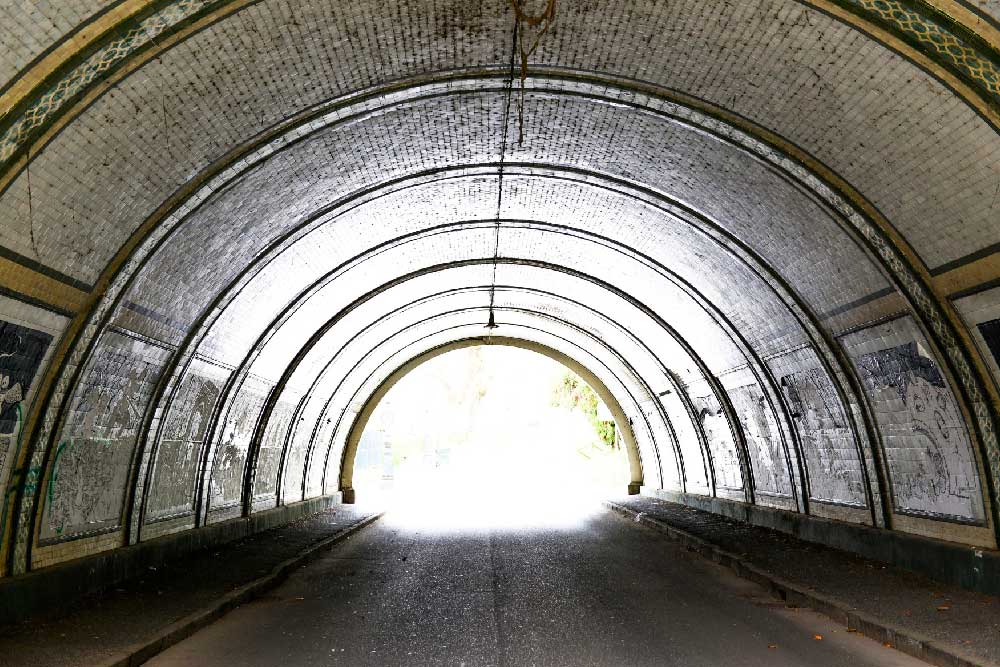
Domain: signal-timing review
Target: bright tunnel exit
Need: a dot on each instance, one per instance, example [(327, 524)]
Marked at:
[(491, 434)]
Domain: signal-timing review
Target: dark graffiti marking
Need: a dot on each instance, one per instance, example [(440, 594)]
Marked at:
[(828, 446), (897, 368), (89, 473), (230, 459), (725, 461), (179, 452), (926, 442), (763, 439), (21, 353)]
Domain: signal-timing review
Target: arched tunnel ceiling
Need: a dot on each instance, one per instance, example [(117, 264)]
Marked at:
[(755, 223)]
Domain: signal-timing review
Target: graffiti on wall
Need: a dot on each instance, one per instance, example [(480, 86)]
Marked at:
[(725, 460), (269, 458), (323, 440), (828, 445), (695, 474), (230, 458), (763, 439), (294, 474), (927, 446), (185, 427), (91, 464), (21, 353)]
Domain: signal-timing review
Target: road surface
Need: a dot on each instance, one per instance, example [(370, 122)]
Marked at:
[(595, 589)]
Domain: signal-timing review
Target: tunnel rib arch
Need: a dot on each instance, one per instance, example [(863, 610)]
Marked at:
[(935, 317), (622, 424), (687, 287), (646, 388), (504, 289), (705, 370)]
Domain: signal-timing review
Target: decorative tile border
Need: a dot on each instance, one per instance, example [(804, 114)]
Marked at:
[(919, 25), (51, 101), (936, 39)]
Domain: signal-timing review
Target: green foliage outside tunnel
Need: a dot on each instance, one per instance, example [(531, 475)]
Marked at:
[(575, 394)]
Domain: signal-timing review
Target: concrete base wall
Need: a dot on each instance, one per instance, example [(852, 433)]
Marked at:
[(969, 567), (38, 593)]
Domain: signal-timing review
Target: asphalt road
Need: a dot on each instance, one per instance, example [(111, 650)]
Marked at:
[(595, 589)]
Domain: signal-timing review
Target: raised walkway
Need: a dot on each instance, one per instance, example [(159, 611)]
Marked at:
[(938, 623), (140, 617)]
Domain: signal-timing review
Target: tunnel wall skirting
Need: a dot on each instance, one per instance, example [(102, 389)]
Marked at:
[(47, 591), (968, 567)]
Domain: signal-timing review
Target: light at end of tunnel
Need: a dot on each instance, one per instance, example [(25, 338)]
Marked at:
[(490, 439)]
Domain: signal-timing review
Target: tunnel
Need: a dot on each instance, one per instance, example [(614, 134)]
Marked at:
[(766, 233)]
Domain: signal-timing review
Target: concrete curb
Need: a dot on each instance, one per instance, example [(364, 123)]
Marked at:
[(901, 639), (179, 630)]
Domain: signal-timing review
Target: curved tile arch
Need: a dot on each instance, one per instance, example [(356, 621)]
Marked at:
[(502, 290), (588, 313), (474, 326), (648, 312), (386, 365), (317, 337), (550, 281), (482, 289), (141, 36), (346, 473), (729, 327), (561, 328), (772, 383), (646, 461)]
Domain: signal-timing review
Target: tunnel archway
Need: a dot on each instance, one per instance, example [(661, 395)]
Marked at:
[(358, 424), (785, 267)]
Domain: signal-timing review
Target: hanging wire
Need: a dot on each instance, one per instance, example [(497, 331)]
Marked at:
[(508, 94), (31, 212), (517, 48), (543, 22)]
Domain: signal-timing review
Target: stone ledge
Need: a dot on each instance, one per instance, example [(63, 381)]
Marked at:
[(36, 594), (969, 567), (176, 632)]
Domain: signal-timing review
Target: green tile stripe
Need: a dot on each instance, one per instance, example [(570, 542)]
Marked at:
[(133, 36), (974, 63)]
